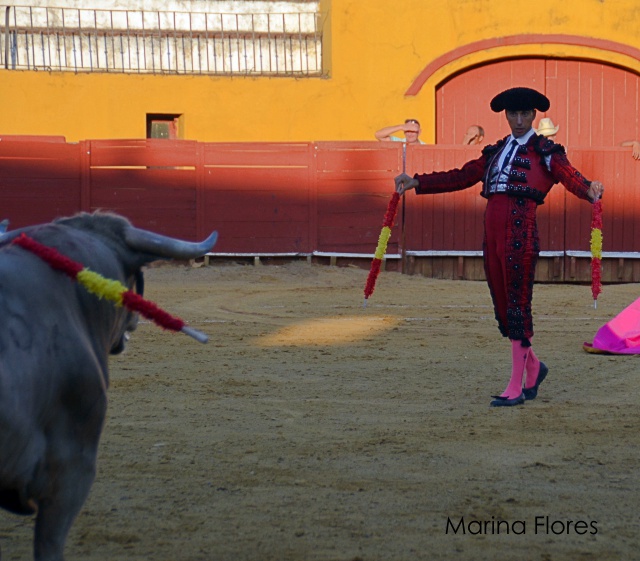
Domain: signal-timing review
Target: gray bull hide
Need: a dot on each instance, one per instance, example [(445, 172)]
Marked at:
[(54, 346)]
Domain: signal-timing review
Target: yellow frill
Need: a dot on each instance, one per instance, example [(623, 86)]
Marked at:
[(596, 243), (383, 240), (111, 290)]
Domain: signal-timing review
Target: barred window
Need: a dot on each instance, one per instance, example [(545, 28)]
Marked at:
[(155, 42)]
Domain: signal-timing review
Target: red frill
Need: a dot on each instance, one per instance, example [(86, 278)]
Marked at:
[(389, 218), (50, 255), (392, 209), (596, 215), (137, 303), (371, 279), (596, 276)]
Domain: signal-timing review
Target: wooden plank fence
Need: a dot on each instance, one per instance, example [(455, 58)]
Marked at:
[(320, 200)]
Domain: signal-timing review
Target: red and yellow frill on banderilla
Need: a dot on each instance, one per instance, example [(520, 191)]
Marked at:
[(596, 249), (383, 241), (108, 289)]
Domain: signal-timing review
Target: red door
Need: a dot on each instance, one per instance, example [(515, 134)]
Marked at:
[(594, 104)]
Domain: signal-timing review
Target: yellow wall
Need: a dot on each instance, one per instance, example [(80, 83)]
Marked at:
[(377, 49)]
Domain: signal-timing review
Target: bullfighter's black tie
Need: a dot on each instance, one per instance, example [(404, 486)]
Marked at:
[(507, 158)]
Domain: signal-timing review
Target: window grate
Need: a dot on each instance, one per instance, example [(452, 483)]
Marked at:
[(127, 41)]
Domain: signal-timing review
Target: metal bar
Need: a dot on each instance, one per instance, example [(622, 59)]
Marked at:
[(6, 36), (168, 53), (302, 41), (64, 42), (238, 43), (317, 67), (95, 36), (277, 58), (121, 38), (245, 49), (199, 55), (230, 54), (106, 53), (215, 56), (73, 50), (33, 39), (144, 46), (284, 43), (184, 58), (153, 56), (160, 42), (184, 55), (121, 50), (206, 31), (113, 43), (89, 37), (253, 41), (175, 44), (269, 39), (223, 57), (291, 69), (15, 49), (53, 30), (42, 49), (138, 51), (261, 67), (193, 70), (17, 45), (128, 40), (80, 36)]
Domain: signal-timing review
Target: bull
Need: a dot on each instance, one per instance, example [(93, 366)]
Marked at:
[(54, 347)]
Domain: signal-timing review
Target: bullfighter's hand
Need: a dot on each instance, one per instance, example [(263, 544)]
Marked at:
[(405, 182), (595, 191)]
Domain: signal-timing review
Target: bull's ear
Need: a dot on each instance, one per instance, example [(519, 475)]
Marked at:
[(163, 246)]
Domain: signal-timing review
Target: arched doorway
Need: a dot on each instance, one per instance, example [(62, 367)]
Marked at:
[(595, 104)]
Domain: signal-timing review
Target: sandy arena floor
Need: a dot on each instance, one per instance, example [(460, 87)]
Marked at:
[(311, 429)]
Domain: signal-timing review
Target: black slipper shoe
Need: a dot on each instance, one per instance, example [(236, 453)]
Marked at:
[(500, 401), (531, 393)]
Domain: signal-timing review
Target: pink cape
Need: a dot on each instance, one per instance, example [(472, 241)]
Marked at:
[(621, 335)]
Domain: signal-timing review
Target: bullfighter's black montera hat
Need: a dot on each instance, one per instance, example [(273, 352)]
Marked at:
[(520, 99)]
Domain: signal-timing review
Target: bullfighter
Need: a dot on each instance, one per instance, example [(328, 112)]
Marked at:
[(516, 173)]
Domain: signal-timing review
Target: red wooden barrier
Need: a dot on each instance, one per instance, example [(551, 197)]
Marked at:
[(354, 185), (275, 198), (259, 197), (152, 182), (39, 180)]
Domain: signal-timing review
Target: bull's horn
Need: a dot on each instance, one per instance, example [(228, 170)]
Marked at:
[(11, 235), (164, 246)]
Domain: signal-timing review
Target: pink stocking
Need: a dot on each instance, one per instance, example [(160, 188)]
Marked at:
[(518, 359), (533, 368)]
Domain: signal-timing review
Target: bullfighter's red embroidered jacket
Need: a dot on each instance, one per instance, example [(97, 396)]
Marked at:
[(529, 176)]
